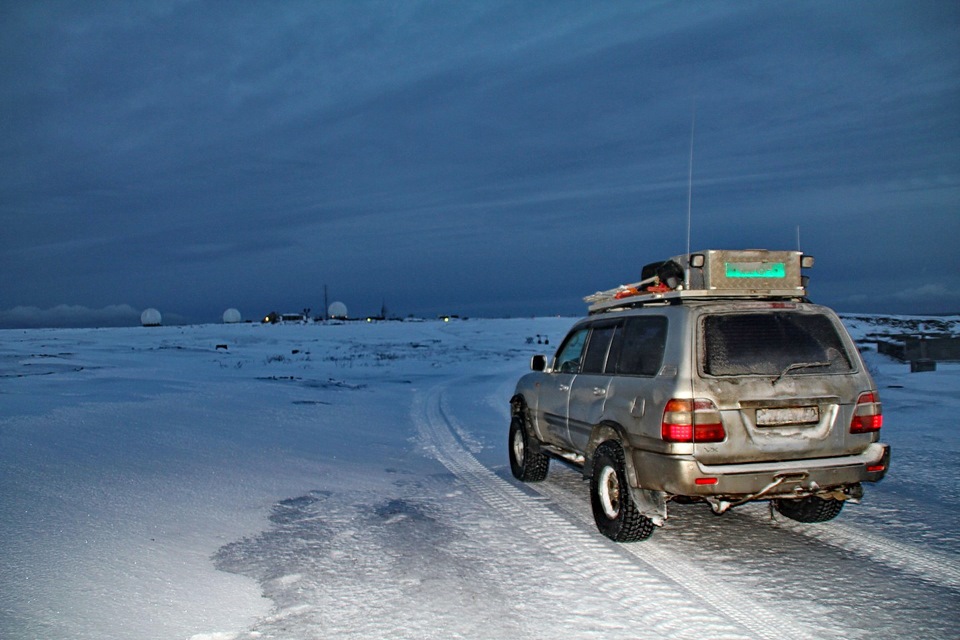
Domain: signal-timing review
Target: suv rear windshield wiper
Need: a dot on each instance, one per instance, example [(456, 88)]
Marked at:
[(800, 365)]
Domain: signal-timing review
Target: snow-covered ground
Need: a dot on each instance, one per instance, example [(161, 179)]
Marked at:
[(326, 481)]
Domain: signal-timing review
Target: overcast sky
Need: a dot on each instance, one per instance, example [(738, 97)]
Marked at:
[(480, 158)]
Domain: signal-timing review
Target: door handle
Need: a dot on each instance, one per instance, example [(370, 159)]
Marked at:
[(564, 387), (598, 391)]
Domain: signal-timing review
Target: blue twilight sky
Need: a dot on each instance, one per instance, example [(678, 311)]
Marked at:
[(482, 158)]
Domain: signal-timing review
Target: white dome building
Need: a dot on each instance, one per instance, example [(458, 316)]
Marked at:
[(151, 318), (337, 311), (232, 316)]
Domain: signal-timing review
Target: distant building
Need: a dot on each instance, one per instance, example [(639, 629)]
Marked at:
[(279, 318), (232, 316), (926, 350)]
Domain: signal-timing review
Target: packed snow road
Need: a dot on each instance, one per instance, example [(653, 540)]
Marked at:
[(235, 482)]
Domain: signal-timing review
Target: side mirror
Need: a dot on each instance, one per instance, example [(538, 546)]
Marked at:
[(538, 362)]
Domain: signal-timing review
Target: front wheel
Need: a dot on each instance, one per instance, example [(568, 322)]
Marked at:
[(809, 509), (614, 511), (525, 463)]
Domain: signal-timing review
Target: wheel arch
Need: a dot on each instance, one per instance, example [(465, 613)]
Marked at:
[(520, 409), (608, 431), (518, 406), (652, 504)]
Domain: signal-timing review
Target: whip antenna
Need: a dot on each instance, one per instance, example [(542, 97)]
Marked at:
[(693, 123)]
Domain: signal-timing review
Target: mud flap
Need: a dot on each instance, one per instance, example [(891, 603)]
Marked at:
[(652, 504)]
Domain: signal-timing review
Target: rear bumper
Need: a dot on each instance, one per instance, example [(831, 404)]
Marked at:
[(679, 475)]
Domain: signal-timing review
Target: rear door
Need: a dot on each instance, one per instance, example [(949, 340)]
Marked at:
[(637, 389), (785, 382)]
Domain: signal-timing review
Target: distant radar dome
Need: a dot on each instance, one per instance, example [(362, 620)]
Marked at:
[(150, 318), (337, 310), (231, 316)]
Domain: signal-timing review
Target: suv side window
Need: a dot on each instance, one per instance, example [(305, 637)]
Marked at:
[(596, 355), (568, 358), (638, 346)]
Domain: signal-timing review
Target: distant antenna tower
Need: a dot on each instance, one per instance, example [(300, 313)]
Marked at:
[(326, 304)]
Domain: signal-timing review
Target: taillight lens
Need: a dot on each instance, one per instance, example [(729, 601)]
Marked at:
[(867, 415), (687, 420)]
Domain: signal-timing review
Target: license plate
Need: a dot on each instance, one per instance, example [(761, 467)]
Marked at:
[(787, 415)]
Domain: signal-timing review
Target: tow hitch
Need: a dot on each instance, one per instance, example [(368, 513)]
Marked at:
[(720, 506)]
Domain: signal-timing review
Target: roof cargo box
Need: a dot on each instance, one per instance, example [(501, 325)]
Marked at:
[(748, 270), (715, 273)]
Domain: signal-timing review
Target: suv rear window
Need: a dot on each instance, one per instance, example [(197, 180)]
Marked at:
[(772, 344)]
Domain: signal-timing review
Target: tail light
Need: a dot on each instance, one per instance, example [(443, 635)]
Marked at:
[(867, 415), (691, 421)]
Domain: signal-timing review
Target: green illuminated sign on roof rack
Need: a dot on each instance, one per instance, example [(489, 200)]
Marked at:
[(755, 270)]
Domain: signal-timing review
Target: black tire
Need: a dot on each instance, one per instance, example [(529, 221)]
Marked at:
[(809, 509), (526, 463), (614, 511)]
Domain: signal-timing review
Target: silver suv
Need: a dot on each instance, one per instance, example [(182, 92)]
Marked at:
[(712, 379)]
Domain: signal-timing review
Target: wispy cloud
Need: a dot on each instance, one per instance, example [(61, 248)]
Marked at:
[(70, 316)]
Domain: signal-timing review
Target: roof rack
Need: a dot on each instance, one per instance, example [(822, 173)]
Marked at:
[(711, 274)]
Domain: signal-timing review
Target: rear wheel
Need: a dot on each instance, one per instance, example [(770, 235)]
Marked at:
[(809, 509), (525, 463), (614, 511)]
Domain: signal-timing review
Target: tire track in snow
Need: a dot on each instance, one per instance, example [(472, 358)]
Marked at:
[(763, 621), (661, 606), (580, 550), (939, 569)]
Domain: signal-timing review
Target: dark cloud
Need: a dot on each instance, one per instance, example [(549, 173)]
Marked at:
[(493, 158)]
